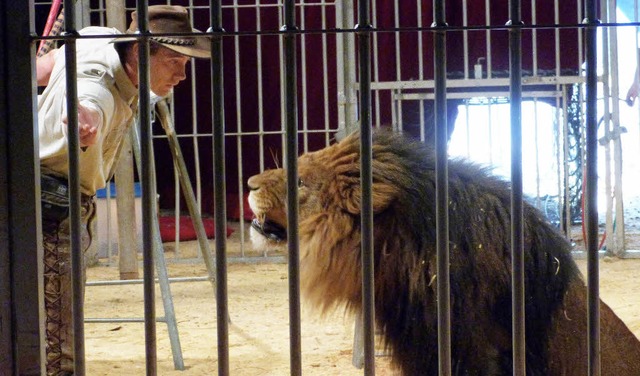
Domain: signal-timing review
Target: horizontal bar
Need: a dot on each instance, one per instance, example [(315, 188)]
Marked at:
[(120, 320), (248, 133), (531, 94), (464, 83), (139, 281), (428, 29)]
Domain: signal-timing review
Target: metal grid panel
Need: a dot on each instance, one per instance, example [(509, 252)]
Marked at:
[(254, 103)]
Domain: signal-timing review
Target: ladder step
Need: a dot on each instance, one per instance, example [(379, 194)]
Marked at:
[(139, 281), (121, 320)]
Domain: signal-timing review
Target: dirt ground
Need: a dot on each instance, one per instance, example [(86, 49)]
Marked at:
[(258, 332)]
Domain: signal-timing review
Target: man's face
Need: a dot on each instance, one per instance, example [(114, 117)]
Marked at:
[(167, 70)]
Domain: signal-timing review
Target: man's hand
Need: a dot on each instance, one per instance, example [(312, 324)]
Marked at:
[(633, 92), (88, 122), (634, 89)]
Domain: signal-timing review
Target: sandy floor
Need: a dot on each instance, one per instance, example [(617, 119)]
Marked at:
[(259, 332)]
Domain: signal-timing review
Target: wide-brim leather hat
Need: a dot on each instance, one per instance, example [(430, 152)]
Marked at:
[(172, 19)]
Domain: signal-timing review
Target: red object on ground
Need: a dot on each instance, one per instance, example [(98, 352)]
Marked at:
[(187, 230)]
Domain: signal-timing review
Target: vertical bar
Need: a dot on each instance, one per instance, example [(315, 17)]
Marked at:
[(421, 103), (618, 232), (487, 19), (398, 53), (537, 148), (348, 65), (536, 126), (491, 129), (580, 38), (77, 261), (556, 35), (467, 108), (561, 162), (21, 265), (291, 131), (219, 186), (565, 145), (399, 101), (465, 39), (397, 96), (109, 229), (591, 204), (260, 90), (559, 134), (303, 79), (517, 241), (238, 93), (283, 100), (608, 38), (376, 68), (395, 118), (176, 215), (534, 37), (325, 75), (363, 29), (148, 198), (342, 83), (637, 46), (291, 127), (442, 194)]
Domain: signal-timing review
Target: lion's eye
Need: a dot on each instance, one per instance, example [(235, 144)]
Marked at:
[(300, 183)]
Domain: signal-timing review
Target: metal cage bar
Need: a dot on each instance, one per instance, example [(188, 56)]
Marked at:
[(148, 199), (220, 210), (517, 226), (591, 205), (442, 190), (77, 255), (21, 261), (363, 30), (291, 124)]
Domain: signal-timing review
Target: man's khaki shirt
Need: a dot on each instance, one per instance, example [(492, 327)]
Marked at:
[(104, 86)]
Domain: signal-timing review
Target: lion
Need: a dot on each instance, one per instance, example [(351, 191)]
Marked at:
[(403, 196)]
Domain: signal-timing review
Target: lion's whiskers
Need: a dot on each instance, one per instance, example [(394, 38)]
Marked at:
[(274, 156)]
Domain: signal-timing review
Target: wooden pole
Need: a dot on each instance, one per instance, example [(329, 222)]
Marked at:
[(125, 197)]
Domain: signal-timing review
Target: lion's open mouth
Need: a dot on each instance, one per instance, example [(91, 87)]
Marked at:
[(270, 229)]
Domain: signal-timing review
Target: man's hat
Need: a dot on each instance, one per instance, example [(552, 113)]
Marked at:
[(170, 19)]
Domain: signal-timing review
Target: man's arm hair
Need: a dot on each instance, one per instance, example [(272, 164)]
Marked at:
[(44, 66)]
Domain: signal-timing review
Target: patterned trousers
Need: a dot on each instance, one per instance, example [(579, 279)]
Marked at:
[(57, 287)]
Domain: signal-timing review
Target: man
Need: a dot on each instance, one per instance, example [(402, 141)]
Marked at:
[(107, 96)]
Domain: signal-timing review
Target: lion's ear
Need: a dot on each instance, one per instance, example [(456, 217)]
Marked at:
[(383, 194), (346, 186)]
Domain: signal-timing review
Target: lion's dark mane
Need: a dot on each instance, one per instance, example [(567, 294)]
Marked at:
[(480, 255)]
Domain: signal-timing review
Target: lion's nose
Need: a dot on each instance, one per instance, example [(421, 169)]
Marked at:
[(251, 183)]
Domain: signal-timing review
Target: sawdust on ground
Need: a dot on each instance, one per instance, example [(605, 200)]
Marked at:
[(259, 322)]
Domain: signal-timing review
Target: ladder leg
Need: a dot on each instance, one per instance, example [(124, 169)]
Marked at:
[(357, 358), (167, 300), (161, 266), (187, 188), (190, 198)]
